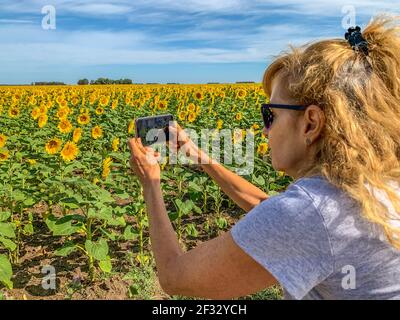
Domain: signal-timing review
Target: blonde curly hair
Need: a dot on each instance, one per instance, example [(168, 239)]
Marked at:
[(359, 146)]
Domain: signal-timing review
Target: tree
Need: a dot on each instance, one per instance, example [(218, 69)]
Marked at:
[(83, 82)]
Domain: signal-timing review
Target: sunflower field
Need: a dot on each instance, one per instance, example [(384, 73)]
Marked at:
[(69, 200)]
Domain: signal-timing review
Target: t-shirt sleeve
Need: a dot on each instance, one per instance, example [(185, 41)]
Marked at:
[(287, 235)]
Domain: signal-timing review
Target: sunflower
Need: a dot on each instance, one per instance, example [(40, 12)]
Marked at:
[(42, 121), (162, 105), (35, 113), (238, 116), (14, 112), (77, 134), (262, 148), (114, 104), (75, 101), (59, 99), (63, 104), (198, 96), (4, 155), (65, 126), (32, 162), (32, 101), (97, 132), (83, 119), (198, 109), (63, 113), (69, 152), (219, 124), (241, 94), (255, 128), (43, 109), (53, 146), (115, 144), (182, 115), (192, 117), (3, 140), (92, 99), (191, 107), (106, 167), (131, 126), (99, 110), (103, 101)]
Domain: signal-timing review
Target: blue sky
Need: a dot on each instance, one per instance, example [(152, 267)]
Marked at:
[(186, 41)]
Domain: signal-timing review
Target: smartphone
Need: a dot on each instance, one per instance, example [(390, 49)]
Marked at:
[(153, 129)]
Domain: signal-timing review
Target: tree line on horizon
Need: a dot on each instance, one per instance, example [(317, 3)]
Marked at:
[(104, 81)]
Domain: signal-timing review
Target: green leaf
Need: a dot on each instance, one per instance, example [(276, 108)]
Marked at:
[(8, 244), (4, 215), (5, 271), (259, 180), (18, 196), (104, 196), (173, 216), (29, 202), (7, 230), (195, 186), (105, 265), (28, 229), (272, 193), (66, 250), (106, 214), (197, 209), (121, 194), (70, 203), (110, 235), (98, 250), (130, 233), (61, 229), (71, 217), (191, 230), (117, 221)]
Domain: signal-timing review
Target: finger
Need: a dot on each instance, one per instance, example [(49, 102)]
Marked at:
[(148, 149), (140, 145), (152, 152), (134, 147)]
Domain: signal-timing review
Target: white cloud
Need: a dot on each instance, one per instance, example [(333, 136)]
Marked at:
[(101, 9), (15, 21)]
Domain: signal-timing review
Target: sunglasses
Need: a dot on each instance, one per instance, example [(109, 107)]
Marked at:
[(267, 115)]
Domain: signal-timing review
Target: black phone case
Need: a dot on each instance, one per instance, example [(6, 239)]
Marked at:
[(143, 125)]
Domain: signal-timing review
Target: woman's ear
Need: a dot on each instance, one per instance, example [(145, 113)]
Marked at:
[(314, 122)]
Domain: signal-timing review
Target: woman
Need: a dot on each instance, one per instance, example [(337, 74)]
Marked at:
[(334, 233)]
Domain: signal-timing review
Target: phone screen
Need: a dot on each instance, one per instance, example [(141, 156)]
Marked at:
[(153, 129)]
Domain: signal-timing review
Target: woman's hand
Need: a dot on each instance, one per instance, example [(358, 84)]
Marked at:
[(144, 162), (180, 141)]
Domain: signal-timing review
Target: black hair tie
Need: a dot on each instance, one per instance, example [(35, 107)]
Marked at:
[(356, 40)]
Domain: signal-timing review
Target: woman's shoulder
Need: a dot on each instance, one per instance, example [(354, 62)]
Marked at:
[(329, 200), (315, 187)]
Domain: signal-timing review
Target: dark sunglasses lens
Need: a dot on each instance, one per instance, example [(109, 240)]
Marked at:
[(267, 117)]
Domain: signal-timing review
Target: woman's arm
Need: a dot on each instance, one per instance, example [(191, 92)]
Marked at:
[(242, 192), (216, 269)]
